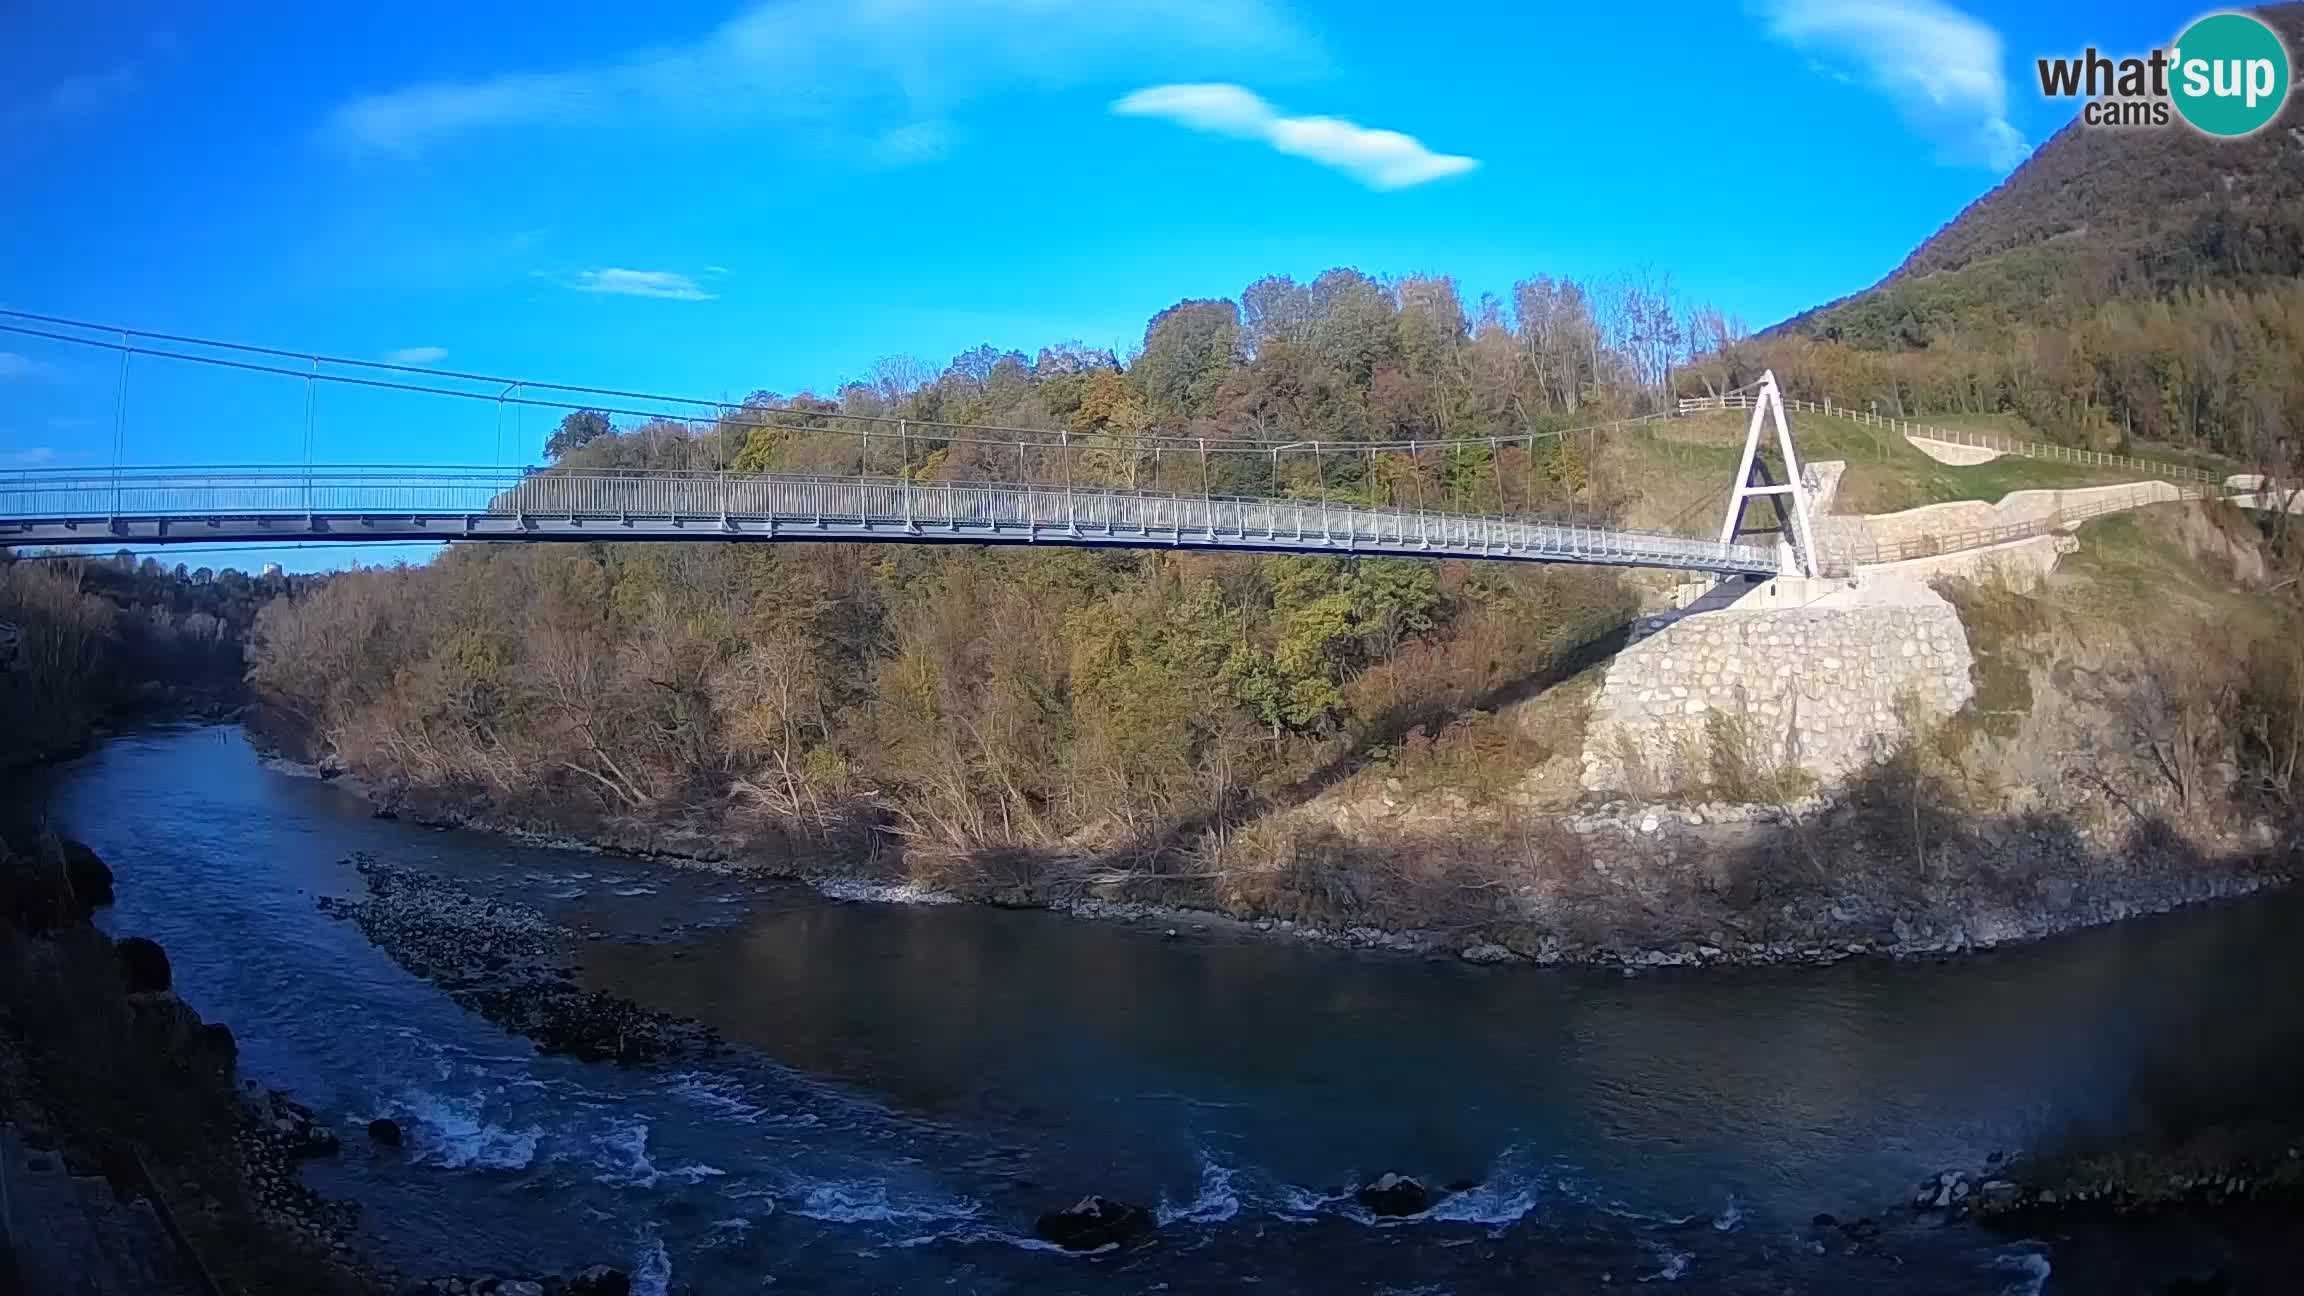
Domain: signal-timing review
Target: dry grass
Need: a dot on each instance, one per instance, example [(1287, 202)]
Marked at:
[(2155, 568)]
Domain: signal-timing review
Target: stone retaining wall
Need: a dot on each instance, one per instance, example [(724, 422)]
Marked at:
[(2018, 564), (1938, 521), (1816, 688)]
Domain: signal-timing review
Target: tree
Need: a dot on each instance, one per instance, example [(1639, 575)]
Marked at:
[(972, 368), (1560, 336), (1068, 358), (1274, 308), (896, 377), (577, 430), (1354, 326), (1188, 350)]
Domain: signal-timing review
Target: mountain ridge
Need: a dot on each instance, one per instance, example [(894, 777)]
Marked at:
[(2234, 209)]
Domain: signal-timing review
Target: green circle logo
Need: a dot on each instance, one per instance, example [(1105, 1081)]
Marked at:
[(2228, 74)]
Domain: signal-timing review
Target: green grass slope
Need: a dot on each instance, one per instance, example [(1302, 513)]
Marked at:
[(1675, 475)]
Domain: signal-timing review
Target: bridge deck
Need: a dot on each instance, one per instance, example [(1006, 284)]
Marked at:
[(144, 506)]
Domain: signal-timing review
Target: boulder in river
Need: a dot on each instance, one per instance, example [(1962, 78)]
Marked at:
[(384, 1132), (212, 1046), (1093, 1222), (1395, 1194), (89, 878), (145, 965), (600, 1280), (1942, 1191)]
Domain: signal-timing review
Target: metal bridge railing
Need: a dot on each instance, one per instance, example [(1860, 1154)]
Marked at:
[(877, 505), (1959, 436), (1843, 558)]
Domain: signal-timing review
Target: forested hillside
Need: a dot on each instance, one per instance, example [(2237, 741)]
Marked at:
[(2123, 285), (980, 704), (96, 635)]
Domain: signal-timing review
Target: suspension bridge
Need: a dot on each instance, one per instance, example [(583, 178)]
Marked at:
[(887, 479)]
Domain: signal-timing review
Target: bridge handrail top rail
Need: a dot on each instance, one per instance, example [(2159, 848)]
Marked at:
[(262, 475)]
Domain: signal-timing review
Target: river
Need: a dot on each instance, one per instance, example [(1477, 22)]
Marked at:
[(913, 1083)]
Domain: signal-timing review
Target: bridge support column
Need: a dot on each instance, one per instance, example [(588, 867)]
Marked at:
[(1752, 481)]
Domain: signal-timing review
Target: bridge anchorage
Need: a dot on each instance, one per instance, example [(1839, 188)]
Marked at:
[(991, 486)]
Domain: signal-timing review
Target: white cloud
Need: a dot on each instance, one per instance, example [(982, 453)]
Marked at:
[(93, 90), (1942, 68), (925, 141), (15, 367), (667, 284), (31, 458), (89, 92), (78, 95), (1380, 159), (895, 61), (418, 355)]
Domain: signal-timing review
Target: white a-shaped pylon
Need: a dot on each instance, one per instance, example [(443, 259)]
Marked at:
[(1752, 480)]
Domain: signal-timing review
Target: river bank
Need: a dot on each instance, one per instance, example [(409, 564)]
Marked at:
[(134, 1159), (1663, 886), (113, 1077)]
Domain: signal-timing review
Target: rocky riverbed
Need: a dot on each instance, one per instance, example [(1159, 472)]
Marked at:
[(213, 1192), (505, 962)]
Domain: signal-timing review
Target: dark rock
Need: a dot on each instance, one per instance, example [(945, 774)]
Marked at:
[(600, 1280), (1825, 1219), (1942, 1191), (1998, 1194), (1462, 1185), (384, 1132), (89, 878), (145, 965), (1395, 1194), (1863, 1230), (1093, 1222), (214, 1045), (502, 961)]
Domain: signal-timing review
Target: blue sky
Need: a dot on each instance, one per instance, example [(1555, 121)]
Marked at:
[(716, 197)]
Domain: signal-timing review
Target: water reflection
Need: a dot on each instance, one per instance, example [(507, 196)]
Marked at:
[(1798, 1089)]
